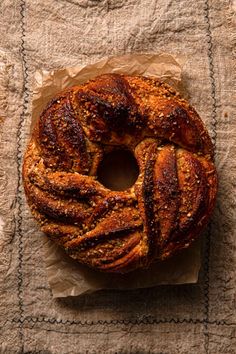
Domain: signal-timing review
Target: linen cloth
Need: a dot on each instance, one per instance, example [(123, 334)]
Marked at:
[(52, 34)]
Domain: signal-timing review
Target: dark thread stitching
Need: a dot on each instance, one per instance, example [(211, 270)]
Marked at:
[(206, 289), (19, 158), (36, 352), (214, 137), (144, 321)]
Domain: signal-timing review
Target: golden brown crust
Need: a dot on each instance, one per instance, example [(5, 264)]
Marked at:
[(171, 200)]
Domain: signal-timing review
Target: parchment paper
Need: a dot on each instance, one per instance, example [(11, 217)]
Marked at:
[(65, 276)]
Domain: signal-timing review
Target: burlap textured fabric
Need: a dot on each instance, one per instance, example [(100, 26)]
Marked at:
[(168, 319)]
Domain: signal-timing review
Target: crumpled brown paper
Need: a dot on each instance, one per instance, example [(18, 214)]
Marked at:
[(65, 276)]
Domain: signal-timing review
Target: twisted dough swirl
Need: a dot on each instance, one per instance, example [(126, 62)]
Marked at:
[(166, 208)]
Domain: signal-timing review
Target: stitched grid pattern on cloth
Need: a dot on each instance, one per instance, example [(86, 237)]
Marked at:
[(107, 314)]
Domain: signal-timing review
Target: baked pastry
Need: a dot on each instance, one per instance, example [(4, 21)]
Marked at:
[(166, 208)]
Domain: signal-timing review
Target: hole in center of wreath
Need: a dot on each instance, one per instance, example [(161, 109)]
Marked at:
[(118, 170)]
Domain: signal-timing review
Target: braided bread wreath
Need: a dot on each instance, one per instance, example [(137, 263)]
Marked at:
[(172, 198)]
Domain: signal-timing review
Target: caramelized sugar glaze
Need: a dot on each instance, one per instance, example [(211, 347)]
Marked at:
[(172, 198)]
